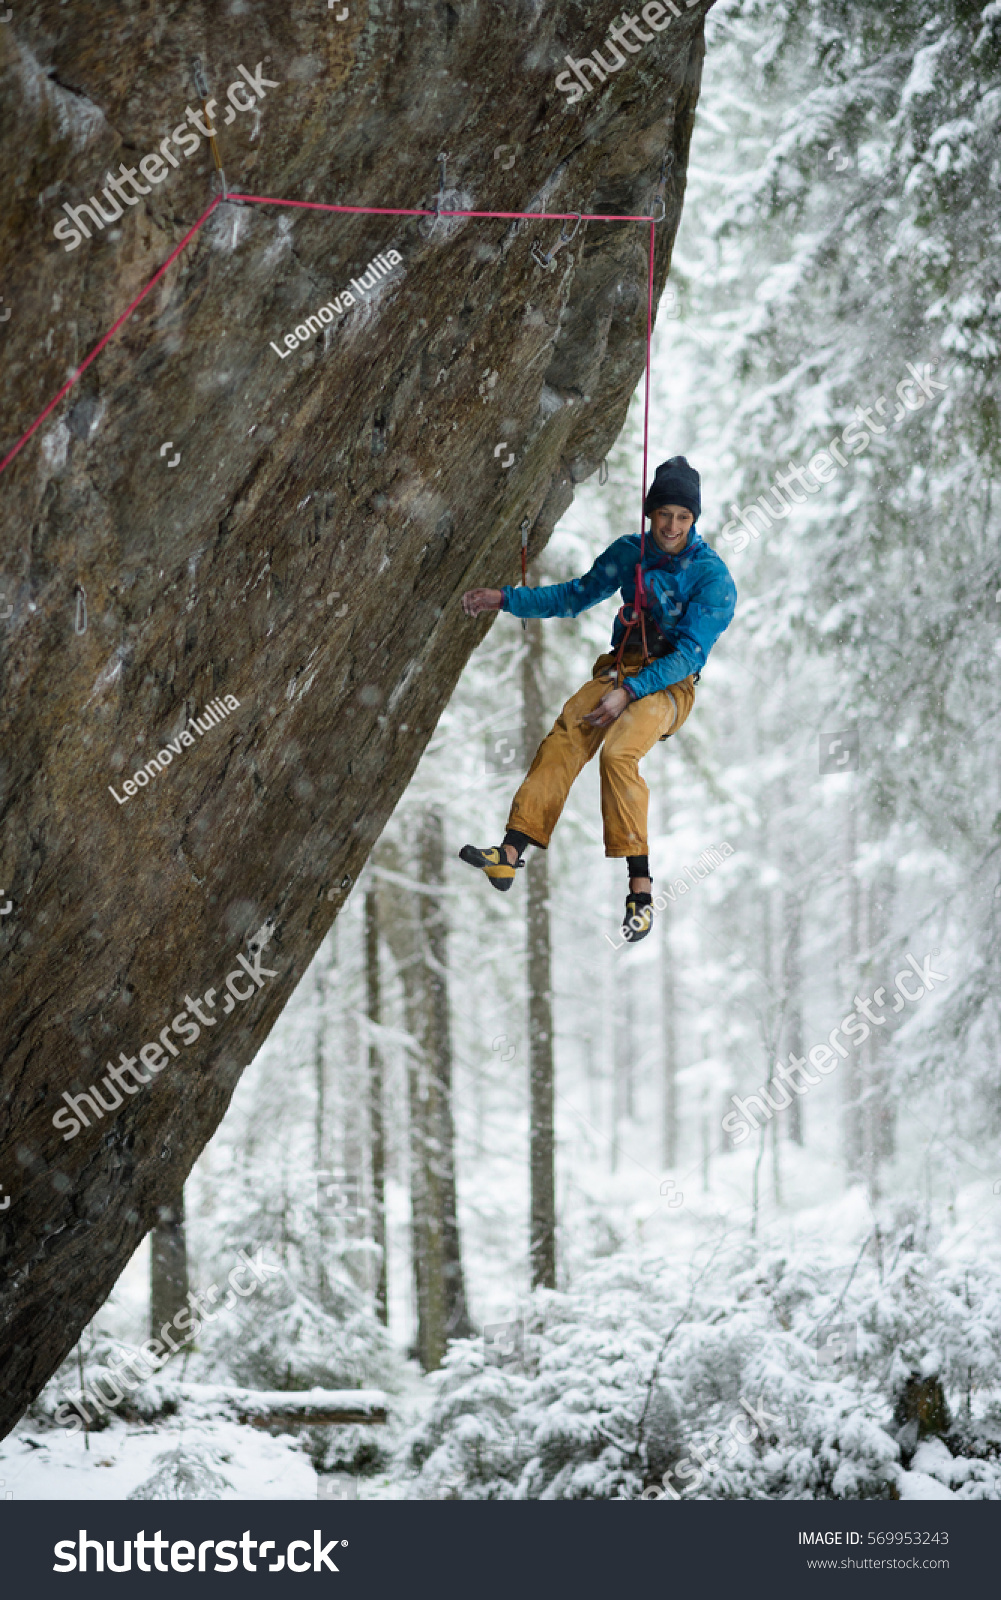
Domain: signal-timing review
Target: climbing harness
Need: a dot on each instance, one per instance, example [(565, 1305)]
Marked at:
[(202, 88), (629, 623)]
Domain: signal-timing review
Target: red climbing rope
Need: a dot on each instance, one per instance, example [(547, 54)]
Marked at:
[(81, 369), (641, 598), (379, 211), (418, 211), (646, 404)]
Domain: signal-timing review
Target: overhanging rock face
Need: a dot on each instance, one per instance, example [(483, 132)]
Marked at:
[(202, 520)]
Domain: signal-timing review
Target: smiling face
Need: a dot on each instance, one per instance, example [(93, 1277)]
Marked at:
[(670, 527)]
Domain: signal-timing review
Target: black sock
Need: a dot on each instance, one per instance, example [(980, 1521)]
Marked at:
[(520, 841), (639, 866)]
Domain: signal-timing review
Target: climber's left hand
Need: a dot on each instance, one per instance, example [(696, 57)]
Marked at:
[(609, 709)]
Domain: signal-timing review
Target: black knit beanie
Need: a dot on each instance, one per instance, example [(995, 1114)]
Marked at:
[(675, 484)]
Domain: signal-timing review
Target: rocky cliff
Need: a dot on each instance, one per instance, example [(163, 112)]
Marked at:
[(232, 554)]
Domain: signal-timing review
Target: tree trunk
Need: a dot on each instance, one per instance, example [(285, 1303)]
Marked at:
[(593, 1081), (629, 1042), (168, 1266), (443, 1222), (853, 1129), (400, 922), (706, 1140), (773, 1014), (542, 1138), (319, 1076), (620, 1044), (377, 1137), (876, 1107), (776, 1162), (668, 1013), (792, 990), (885, 1111), (319, 1119), (755, 1180)]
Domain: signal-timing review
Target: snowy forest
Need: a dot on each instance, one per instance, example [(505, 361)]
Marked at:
[(565, 1212)]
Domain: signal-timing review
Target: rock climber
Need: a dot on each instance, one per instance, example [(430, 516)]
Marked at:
[(642, 691)]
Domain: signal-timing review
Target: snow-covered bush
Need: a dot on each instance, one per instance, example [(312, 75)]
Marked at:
[(311, 1325), (731, 1385), (191, 1472)]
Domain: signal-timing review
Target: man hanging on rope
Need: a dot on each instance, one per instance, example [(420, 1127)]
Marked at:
[(678, 598)]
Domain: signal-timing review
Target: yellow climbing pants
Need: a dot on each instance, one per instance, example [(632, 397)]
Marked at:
[(564, 752)]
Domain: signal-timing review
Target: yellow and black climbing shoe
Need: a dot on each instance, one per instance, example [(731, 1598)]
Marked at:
[(493, 862), (639, 917)]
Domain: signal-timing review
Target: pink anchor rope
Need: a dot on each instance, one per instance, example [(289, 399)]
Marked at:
[(85, 363), (375, 211)]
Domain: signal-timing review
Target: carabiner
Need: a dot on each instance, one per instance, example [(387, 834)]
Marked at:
[(439, 200), (565, 237), (666, 166), (548, 261), (198, 73)]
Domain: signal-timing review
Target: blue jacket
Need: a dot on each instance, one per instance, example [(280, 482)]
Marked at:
[(692, 600)]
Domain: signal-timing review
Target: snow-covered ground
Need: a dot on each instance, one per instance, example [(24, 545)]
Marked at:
[(199, 1452), (247, 1463)]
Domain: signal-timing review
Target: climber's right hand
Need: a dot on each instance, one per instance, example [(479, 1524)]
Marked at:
[(475, 601)]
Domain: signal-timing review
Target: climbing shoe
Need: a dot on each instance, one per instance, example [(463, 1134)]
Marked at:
[(639, 917), (493, 862)]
